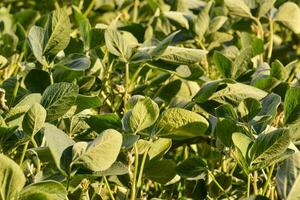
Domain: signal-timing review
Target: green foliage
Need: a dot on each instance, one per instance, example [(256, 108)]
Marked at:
[(155, 99)]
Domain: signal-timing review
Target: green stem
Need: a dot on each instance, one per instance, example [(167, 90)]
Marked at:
[(271, 40), (136, 164), (255, 183), (217, 183), (126, 85), (140, 177), (260, 34), (134, 77), (89, 9), (108, 188), (268, 179), (135, 11), (23, 153), (248, 185), (38, 160)]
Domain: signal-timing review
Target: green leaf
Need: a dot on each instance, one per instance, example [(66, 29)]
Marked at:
[(242, 62), (58, 98), (86, 102), (292, 106), (59, 145), (265, 7), (243, 143), (201, 22), (57, 32), (117, 168), (34, 119), (268, 146), (178, 123), (44, 190), (223, 64), (12, 179), (99, 154), (159, 147), (279, 71), (178, 18), (288, 178), (224, 130), (102, 122), (36, 38), (144, 114), (184, 56), (76, 62), (235, 93), (191, 168), (238, 7), (289, 14), (161, 171), (216, 23), (117, 45)]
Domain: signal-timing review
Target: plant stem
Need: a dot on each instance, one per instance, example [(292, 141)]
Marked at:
[(126, 85), (23, 153), (271, 40), (135, 11), (108, 188), (88, 10), (140, 177), (255, 183), (136, 164), (217, 183), (38, 167), (248, 185), (268, 179), (260, 34)]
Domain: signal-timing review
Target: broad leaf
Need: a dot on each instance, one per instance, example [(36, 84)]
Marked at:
[(44, 190), (289, 14), (99, 154), (59, 144), (57, 32), (238, 7), (58, 98), (12, 179), (178, 123), (34, 119), (161, 171)]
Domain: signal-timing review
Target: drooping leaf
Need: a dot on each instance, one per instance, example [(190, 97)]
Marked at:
[(12, 179), (34, 119), (161, 171), (178, 123), (59, 144), (99, 154)]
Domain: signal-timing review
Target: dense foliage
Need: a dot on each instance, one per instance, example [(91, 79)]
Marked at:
[(149, 99)]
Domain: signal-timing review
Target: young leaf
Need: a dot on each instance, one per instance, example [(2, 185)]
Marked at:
[(58, 98), (178, 123), (201, 22), (99, 154), (12, 179), (43, 191), (36, 38), (34, 119), (117, 45)]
